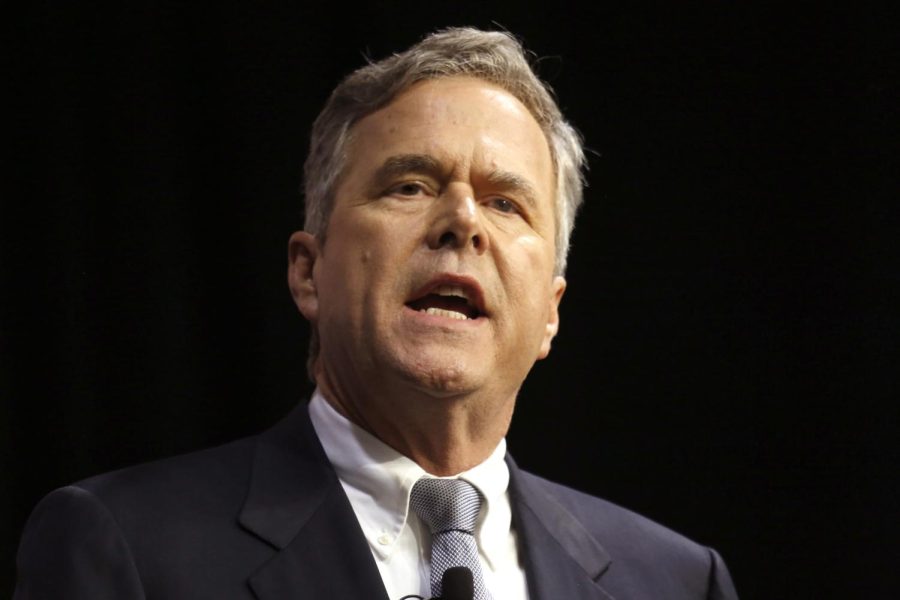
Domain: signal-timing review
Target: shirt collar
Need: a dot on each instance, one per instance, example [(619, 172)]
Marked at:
[(378, 480)]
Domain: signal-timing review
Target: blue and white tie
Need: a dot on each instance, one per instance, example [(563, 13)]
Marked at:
[(450, 509)]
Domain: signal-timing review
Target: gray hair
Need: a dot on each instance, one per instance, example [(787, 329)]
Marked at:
[(493, 56)]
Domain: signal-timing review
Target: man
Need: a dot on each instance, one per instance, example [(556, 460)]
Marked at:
[(441, 189)]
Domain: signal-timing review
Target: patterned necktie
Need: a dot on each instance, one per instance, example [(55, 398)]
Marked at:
[(450, 508)]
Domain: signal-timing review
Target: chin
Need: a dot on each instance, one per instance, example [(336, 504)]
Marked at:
[(442, 377)]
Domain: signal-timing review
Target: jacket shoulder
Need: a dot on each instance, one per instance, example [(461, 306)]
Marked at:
[(73, 548), (148, 530), (643, 553), (200, 480)]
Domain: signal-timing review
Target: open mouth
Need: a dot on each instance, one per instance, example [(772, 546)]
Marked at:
[(452, 301)]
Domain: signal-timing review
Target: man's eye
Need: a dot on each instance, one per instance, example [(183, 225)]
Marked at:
[(504, 205), (410, 188)]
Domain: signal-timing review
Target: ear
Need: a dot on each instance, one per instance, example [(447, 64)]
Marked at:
[(557, 289), (303, 252)]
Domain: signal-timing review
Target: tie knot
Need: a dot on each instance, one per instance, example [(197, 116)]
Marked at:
[(446, 504)]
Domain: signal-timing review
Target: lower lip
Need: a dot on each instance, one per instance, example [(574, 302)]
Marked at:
[(440, 321)]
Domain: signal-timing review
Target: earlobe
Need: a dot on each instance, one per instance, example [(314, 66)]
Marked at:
[(303, 252), (558, 288)]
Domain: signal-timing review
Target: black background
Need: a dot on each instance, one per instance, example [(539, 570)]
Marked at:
[(729, 335)]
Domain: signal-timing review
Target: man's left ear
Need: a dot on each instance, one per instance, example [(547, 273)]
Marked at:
[(303, 252), (558, 288)]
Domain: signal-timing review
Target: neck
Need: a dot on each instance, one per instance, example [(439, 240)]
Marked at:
[(445, 435)]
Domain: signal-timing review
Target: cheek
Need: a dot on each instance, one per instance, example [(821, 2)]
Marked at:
[(363, 267), (531, 244), (531, 257), (531, 262)]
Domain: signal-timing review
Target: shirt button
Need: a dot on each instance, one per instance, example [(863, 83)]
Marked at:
[(384, 539)]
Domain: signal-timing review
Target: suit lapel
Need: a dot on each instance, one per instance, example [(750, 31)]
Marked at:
[(561, 558), (297, 505)]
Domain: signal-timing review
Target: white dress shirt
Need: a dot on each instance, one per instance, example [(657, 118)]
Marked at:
[(378, 480)]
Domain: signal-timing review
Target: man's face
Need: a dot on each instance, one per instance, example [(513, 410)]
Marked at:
[(437, 272)]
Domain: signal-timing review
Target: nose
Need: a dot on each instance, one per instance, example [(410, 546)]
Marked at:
[(457, 222)]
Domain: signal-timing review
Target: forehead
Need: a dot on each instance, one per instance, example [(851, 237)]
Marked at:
[(465, 123)]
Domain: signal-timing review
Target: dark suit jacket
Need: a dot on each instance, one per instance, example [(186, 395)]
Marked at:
[(267, 518)]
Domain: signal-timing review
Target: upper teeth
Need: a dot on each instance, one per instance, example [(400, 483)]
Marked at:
[(451, 290)]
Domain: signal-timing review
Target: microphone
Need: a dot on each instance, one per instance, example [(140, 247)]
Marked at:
[(456, 584)]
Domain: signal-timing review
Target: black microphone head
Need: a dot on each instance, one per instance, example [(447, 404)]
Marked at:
[(456, 584)]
